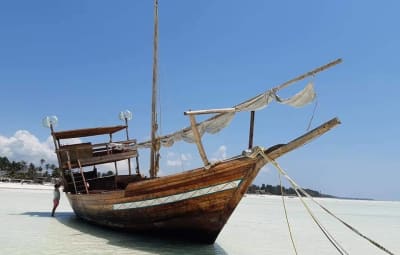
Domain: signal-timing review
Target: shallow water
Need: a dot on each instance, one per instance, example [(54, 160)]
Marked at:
[(257, 226)]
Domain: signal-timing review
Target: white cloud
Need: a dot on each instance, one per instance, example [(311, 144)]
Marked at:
[(25, 146), (220, 154), (265, 170), (178, 160)]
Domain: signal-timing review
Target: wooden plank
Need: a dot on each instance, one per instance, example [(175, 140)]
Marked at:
[(105, 159), (198, 140), (87, 132)]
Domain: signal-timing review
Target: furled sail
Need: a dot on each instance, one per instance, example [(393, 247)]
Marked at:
[(302, 98), (221, 120)]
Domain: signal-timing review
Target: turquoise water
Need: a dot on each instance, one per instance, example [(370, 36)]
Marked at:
[(257, 226)]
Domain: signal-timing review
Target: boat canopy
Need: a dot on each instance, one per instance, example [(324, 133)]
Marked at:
[(84, 132)]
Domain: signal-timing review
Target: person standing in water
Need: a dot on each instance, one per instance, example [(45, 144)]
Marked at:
[(56, 198)]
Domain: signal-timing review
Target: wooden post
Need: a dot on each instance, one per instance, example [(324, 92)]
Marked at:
[(70, 171), (116, 174), (127, 138), (137, 163), (116, 168), (251, 133), (83, 177), (198, 140), (56, 148), (154, 126)]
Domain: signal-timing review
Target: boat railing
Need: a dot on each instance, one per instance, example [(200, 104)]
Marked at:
[(92, 154)]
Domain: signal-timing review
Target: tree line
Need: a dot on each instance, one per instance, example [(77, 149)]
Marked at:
[(25, 170), (276, 190)]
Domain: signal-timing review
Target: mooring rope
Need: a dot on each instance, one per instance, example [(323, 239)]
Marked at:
[(286, 215), (349, 226), (297, 188), (331, 239)]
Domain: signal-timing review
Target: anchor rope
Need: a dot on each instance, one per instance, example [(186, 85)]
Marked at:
[(297, 188), (331, 239), (286, 215), (350, 227)]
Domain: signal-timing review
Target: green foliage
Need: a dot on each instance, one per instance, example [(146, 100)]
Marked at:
[(276, 190), (23, 170), (108, 173)]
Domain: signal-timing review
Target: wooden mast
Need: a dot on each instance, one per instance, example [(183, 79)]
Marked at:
[(154, 125)]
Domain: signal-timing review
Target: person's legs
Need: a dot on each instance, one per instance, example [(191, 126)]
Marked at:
[(55, 204)]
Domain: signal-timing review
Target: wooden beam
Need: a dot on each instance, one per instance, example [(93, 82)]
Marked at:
[(310, 73), (300, 141), (198, 140), (221, 110)]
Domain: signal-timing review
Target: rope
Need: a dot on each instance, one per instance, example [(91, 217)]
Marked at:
[(296, 187), (313, 114), (315, 105), (335, 243), (350, 227), (286, 215)]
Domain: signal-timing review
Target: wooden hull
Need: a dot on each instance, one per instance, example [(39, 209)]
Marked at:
[(194, 204)]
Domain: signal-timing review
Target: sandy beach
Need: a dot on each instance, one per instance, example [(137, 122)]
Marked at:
[(257, 226), (26, 186)]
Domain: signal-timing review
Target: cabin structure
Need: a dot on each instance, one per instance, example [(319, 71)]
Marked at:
[(73, 158)]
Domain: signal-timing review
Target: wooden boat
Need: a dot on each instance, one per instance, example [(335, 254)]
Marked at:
[(193, 204)]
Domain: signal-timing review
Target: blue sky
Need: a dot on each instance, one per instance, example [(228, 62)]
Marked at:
[(85, 61)]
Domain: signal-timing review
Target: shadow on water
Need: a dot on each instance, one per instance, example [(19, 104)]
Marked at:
[(133, 241)]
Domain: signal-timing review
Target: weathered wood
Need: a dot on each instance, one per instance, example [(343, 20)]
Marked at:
[(197, 138), (198, 112), (105, 159), (300, 141), (87, 132), (193, 204), (126, 142), (251, 132), (154, 125), (83, 177), (308, 74), (201, 217)]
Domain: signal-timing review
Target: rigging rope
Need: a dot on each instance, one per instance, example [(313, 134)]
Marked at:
[(297, 188), (349, 226), (313, 113), (315, 105), (286, 215), (333, 241)]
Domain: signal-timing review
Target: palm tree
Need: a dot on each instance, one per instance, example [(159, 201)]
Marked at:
[(32, 171)]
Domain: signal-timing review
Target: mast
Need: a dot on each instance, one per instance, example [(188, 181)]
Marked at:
[(154, 126)]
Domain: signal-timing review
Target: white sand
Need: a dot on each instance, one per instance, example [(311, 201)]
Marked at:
[(26, 186)]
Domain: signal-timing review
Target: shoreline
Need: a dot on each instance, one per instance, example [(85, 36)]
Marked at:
[(25, 186)]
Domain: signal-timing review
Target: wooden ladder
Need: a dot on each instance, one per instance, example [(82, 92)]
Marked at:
[(78, 179)]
